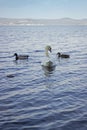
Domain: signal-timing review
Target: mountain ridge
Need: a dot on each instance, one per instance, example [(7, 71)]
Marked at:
[(31, 21)]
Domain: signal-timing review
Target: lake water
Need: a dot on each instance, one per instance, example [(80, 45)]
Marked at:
[(32, 99)]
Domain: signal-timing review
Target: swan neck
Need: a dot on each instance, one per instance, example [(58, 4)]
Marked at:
[(47, 53)]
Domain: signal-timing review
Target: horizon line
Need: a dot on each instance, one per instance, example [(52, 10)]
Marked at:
[(43, 18)]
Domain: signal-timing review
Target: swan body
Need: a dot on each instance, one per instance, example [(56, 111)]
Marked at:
[(20, 57), (62, 55)]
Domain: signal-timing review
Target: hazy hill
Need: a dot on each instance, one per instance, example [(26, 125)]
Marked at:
[(62, 21)]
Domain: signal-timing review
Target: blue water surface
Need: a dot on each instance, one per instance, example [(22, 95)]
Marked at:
[(33, 99)]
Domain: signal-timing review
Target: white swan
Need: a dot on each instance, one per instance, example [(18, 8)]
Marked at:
[(48, 63)]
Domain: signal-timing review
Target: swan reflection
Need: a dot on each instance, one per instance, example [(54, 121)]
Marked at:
[(48, 71)]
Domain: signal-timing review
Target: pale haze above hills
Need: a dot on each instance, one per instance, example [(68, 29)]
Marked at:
[(62, 21)]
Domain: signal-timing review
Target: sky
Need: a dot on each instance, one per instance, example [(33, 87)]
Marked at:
[(43, 9)]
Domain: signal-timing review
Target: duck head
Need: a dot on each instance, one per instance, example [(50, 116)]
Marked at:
[(16, 55), (59, 54)]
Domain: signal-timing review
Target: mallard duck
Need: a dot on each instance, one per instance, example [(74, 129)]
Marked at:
[(48, 64), (20, 57), (62, 55)]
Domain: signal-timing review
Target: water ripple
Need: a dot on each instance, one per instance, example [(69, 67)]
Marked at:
[(32, 99)]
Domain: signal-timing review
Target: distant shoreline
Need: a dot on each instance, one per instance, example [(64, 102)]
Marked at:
[(42, 22)]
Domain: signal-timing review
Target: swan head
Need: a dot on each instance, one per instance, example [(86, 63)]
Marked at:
[(48, 48)]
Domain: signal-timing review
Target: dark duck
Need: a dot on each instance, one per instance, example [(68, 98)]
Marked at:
[(62, 55), (20, 57)]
